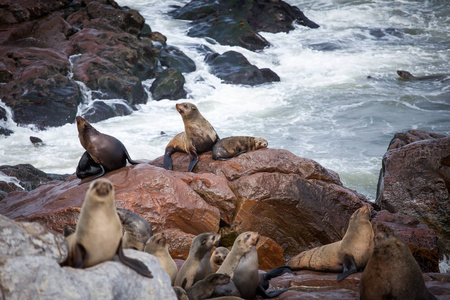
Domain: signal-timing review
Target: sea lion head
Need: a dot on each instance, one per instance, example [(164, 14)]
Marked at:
[(405, 74), (261, 143), (159, 239), (245, 241), (203, 243), (363, 213), (100, 191), (187, 110), (220, 254), (217, 279)]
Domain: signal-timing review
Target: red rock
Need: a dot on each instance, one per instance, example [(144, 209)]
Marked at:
[(270, 254)]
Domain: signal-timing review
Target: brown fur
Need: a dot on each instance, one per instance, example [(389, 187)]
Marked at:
[(202, 244), (357, 245), (157, 246), (409, 76), (218, 257), (198, 136), (204, 288), (234, 145), (392, 273)]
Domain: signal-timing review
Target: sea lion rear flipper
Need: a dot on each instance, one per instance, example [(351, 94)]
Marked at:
[(348, 267), (134, 264), (133, 162), (194, 160), (168, 158), (102, 172)]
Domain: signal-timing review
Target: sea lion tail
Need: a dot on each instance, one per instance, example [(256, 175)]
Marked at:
[(134, 264), (133, 162)]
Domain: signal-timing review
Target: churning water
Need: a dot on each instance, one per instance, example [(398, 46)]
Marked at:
[(325, 107)]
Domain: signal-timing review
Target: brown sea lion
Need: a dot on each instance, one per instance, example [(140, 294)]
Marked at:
[(136, 230), (204, 269), (347, 255), (107, 151), (232, 146), (157, 246), (198, 136), (87, 166), (201, 244), (98, 233), (409, 76), (392, 273), (204, 288), (217, 258)]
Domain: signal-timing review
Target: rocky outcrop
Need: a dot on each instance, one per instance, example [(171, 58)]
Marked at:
[(48, 49), (415, 180), (169, 84), (29, 263), (237, 23)]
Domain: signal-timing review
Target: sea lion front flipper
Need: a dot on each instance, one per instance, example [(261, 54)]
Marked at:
[(168, 158), (102, 172), (68, 230), (79, 257), (194, 160), (134, 264), (133, 162), (348, 267), (266, 295)]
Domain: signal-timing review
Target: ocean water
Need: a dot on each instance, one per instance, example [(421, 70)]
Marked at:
[(324, 108)]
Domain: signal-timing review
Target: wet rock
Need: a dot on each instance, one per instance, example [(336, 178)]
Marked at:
[(415, 180), (20, 11), (236, 23), (421, 240), (173, 58), (233, 67), (36, 141), (99, 110), (169, 84)]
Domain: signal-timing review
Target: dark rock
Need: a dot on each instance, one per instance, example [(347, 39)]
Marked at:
[(12, 12), (420, 239), (99, 110), (169, 84), (415, 180), (237, 23), (3, 118), (173, 58), (233, 67), (36, 141)]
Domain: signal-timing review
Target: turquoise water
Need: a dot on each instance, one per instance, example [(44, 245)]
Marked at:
[(325, 107)]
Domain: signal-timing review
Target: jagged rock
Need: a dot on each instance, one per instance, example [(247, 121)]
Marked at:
[(415, 180), (169, 84), (173, 58), (99, 110), (233, 67)]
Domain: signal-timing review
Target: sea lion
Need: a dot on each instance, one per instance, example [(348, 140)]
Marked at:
[(409, 76), (136, 229), (157, 246), (347, 255), (204, 268), (392, 273), (217, 258), (232, 146), (201, 244), (87, 166), (198, 136), (181, 293), (204, 288), (107, 151), (98, 233)]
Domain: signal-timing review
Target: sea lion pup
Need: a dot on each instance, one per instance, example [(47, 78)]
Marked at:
[(136, 229), (87, 166), (232, 146), (392, 273), (217, 258), (201, 244), (157, 246), (204, 288), (107, 151), (98, 234), (409, 76), (347, 255), (198, 136), (181, 293)]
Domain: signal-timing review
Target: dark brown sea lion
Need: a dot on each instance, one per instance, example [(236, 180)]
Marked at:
[(409, 76), (232, 146), (107, 151), (157, 246), (198, 136), (87, 166), (201, 245), (392, 273), (136, 230), (98, 233), (347, 255)]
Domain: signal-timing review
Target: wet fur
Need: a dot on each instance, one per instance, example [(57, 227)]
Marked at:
[(232, 146)]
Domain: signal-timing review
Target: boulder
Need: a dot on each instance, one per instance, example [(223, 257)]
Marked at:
[(30, 257), (415, 181), (233, 67), (99, 110), (169, 84)]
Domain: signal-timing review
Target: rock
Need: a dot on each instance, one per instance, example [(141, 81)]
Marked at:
[(173, 58), (421, 240), (233, 67), (101, 110), (36, 141), (236, 23), (25, 10), (169, 84), (414, 180), (28, 177), (29, 264), (270, 254)]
